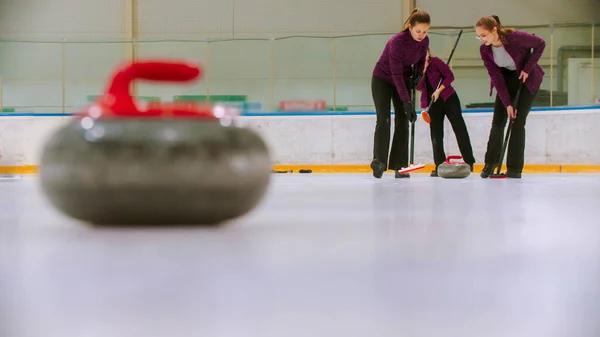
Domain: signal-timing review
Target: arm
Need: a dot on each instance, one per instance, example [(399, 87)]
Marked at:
[(446, 73), (496, 76), (531, 41), (396, 67)]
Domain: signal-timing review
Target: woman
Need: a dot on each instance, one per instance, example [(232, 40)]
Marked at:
[(398, 71), (448, 105), (504, 52)]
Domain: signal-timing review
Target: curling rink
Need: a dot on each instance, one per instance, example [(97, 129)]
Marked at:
[(324, 255)]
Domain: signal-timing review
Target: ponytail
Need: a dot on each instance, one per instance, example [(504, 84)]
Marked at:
[(416, 16)]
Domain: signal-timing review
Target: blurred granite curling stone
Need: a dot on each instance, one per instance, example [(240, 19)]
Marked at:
[(165, 164), (449, 169)]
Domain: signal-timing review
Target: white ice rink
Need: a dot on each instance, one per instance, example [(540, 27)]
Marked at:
[(324, 255)]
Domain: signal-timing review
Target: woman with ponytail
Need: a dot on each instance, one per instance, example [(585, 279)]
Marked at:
[(398, 70), (504, 52)]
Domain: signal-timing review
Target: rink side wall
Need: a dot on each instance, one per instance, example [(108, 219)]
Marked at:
[(558, 139)]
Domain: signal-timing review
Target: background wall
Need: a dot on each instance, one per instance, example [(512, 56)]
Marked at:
[(41, 71)]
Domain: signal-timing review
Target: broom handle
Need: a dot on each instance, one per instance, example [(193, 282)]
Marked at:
[(412, 125)]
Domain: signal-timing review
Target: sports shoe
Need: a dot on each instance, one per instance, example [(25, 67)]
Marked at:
[(487, 170), (378, 168)]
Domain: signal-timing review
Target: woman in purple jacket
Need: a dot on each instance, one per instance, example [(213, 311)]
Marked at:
[(398, 70), (448, 105), (503, 52)]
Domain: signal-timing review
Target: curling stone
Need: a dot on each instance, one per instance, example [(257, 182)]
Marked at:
[(449, 169), (166, 164)]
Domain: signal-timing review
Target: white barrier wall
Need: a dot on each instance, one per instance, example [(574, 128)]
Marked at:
[(553, 137), (561, 137)]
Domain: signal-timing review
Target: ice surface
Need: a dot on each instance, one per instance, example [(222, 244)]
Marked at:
[(324, 255)]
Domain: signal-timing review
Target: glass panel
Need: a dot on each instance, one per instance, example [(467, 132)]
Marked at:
[(572, 45), (88, 70), (303, 69), (31, 76), (261, 73), (192, 51), (240, 72), (355, 59), (596, 68)]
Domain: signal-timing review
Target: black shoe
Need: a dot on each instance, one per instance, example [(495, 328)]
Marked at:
[(512, 174), (487, 170), (401, 175), (434, 173), (378, 168), (471, 166)]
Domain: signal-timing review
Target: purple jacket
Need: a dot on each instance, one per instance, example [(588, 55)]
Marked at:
[(517, 46), (436, 70), (395, 63)]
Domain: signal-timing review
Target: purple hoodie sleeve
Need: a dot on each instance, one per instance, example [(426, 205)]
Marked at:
[(531, 41), (445, 72), (396, 65), (495, 75)]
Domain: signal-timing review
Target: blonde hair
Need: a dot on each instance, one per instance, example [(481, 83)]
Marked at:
[(490, 21), (417, 16)]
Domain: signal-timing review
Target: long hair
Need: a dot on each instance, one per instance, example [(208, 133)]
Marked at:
[(491, 21), (417, 16)]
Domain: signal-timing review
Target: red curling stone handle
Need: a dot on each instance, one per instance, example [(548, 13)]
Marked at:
[(119, 90), (449, 158)]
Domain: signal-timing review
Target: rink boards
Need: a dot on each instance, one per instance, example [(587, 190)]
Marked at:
[(558, 139)]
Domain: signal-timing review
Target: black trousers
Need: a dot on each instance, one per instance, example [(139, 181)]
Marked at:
[(384, 94), (515, 153), (450, 108)]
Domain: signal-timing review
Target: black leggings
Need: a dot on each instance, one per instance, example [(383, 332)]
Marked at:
[(515, 154), (383, 94), (450, 108)]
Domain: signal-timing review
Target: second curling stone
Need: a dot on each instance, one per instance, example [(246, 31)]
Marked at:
[(177, 164), (449, 169)]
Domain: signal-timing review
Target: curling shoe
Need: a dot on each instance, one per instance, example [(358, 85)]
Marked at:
[(378, 168), (487, 170)]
